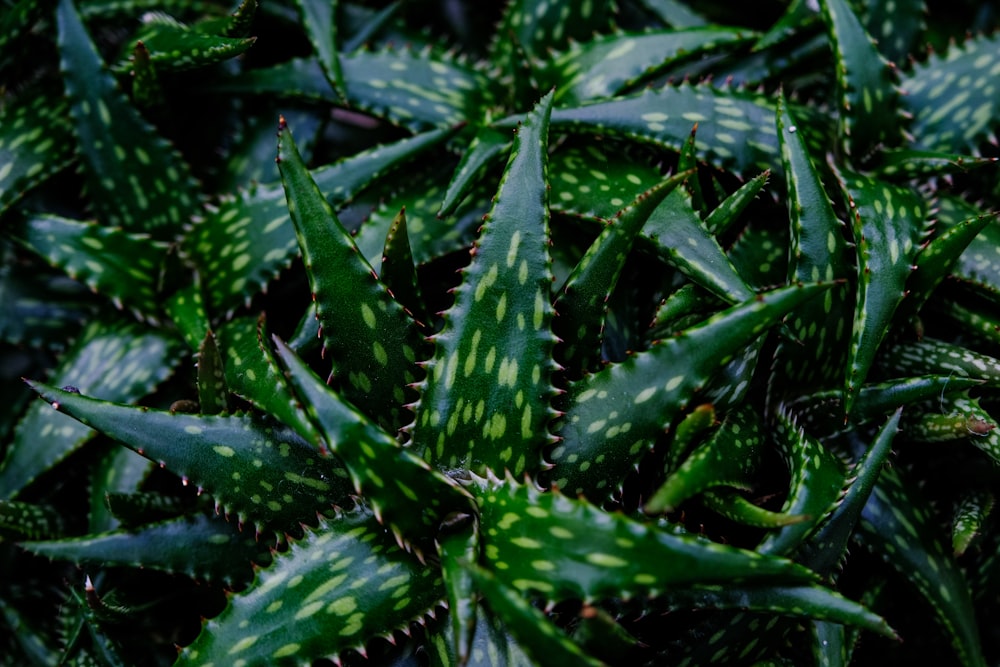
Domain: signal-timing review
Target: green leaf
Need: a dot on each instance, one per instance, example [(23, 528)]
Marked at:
[(897, 525), (930, 355), (897, 26), (485, 402), (457, 546), (257, 469), (563, 548), (212, 392), (201, 547), (373, 345), (123, 267), (398, 270), (867, 98), (728, 503), (609, 64), (173, 46), (405, 493), (907, 163), (35, 139), (675, 13), (39, 307), (615, 415), (134, 177), (335, 589), (115, 361), (971, 516), (483, 151), (889, 223), (953, 103), (319, 19), (29, 521), (540, 638), (724, 216), (729, 457)]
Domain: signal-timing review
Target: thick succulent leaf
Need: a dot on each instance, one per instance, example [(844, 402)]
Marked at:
[(971, 516), (399, 271), (760, 255), (906, 163), (582, 300), (202, 547), (688, 432), (405, 493), (258, 470), (607, 65), (40, 308), (29, 521), (593, 181), (680, 237), (735, 129), (689, 303), (731, 504), (935, 261), (213, 395), (564, 548), (952, 98), (36, 139), (186, 309), (724, 216), (123, 267), (373, 345), (979, 265), (16, 22), (118, 472), (116, 362), (172, 45), (458, 546), (728, 458), (485, 149), (419, 90), (319, 19), (492, 645), (540, 28), (135, 179), (810, 601), (485, 403), (889, 223), (817, 479), (615, 415), (540, 638), (827, 547), (930, 355), (898, 526), (954, 419), (867, 97), (341, 585), (979, 425), (253, 374), (896, 26), (818, 251)]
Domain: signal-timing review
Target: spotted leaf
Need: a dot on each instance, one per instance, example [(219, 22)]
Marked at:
[(36, 138), (398, 270), (615, 415), (905, 163), (729, 457), (952, 98), (485, 401), (731, 504), (29, 521), (38, 307), (609, 64), (867, 97), (492, 644), (889, 223), (213, 394), (116, 361), (121, 266), (319, 18), (970, 520), (202, 547), (897, 526), (563, 548), (457, 546), (256, 469), (582, 300), (374, 345), (930, 355), (135, 178), (404, 492), (171, 45), (485, 150), (724, 216), (339, 586)]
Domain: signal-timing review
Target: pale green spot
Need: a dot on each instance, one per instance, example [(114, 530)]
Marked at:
[(223, 450)]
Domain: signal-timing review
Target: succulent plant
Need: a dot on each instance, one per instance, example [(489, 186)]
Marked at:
[(630, 332)]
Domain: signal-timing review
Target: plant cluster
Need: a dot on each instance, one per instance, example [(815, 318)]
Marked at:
[(431, 332)]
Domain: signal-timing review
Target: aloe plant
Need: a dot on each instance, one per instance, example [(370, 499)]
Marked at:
[(641, 332)]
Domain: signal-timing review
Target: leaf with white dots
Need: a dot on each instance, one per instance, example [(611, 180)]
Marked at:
[(39, 307), (727, 213), (319, 19), (614, 416), (485, 403), (730, 457), (979, 265), (404, 492), (608, 64), (121, 266), (930, 355), (484, 150), (29, 521), (536, 634), (398, 270), (492, 644), (897, 26), (113, 360), (255, 468), (582, 301), (206, 548), (135, 179), (907, 163), (868, 99), (374, 343), (36, 140), (889, 223), (549, 544), (341, 585), (897, 525), (954, 98), (172, 46)]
